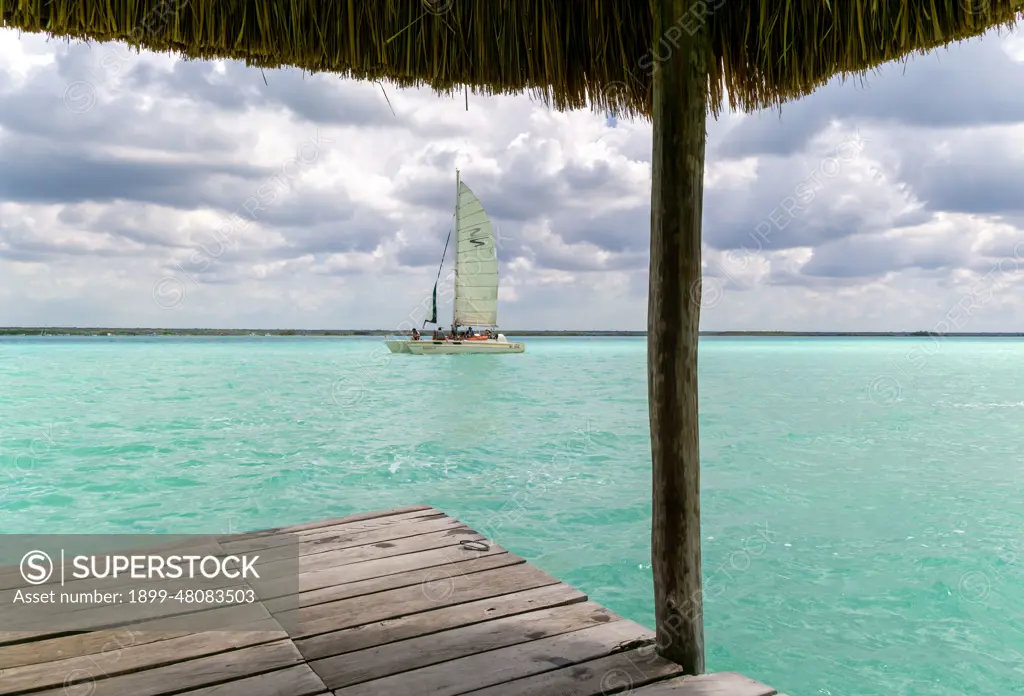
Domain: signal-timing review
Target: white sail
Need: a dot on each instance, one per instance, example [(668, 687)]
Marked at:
[(476, 264)]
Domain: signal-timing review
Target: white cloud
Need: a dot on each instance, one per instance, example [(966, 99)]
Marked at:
[(123, 168)]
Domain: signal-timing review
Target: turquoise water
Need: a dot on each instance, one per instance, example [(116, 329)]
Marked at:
[(862, 498)]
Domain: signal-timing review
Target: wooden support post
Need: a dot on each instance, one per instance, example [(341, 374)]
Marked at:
[(680, 116)]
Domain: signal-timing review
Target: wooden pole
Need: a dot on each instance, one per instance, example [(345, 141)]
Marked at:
[(679, 115)]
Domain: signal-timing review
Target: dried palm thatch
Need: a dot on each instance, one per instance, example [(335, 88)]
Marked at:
[(568, 53)]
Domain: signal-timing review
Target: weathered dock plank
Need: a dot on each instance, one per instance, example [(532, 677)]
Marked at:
[(98, 642), (384, 549), (358, 517), (121, 658), (336, 540), (391, 604), (440, 575), (166, 678), (430, 622), (247, 542), (465, 674), (622, 672), (385, 660), (377, 569), (406, 601), (299, 680), (717, 684)]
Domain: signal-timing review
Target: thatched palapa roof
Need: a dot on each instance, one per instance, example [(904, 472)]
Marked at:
[(763, 52)]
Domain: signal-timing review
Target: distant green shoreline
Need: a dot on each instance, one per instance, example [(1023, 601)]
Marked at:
[(341, 333)]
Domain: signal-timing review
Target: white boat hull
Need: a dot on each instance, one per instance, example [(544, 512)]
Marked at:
[(398, 345), (464, 347), (430, 347)]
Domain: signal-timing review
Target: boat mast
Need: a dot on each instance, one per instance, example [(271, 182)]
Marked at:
[(455, 293)]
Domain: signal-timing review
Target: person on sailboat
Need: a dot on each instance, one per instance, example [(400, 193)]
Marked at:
[(415, 334), (469, 332)]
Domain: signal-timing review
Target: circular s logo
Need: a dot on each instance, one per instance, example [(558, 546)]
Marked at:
[(168, 292), (36, 567)]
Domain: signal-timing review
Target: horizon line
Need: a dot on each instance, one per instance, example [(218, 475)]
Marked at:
[(21, 330)]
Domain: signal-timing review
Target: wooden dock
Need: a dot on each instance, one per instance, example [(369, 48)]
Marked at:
[(401, 601)]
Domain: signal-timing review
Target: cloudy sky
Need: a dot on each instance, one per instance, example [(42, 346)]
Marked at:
[(140, 190)]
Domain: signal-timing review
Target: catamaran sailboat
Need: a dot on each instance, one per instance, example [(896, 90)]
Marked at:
[(475, 304)]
